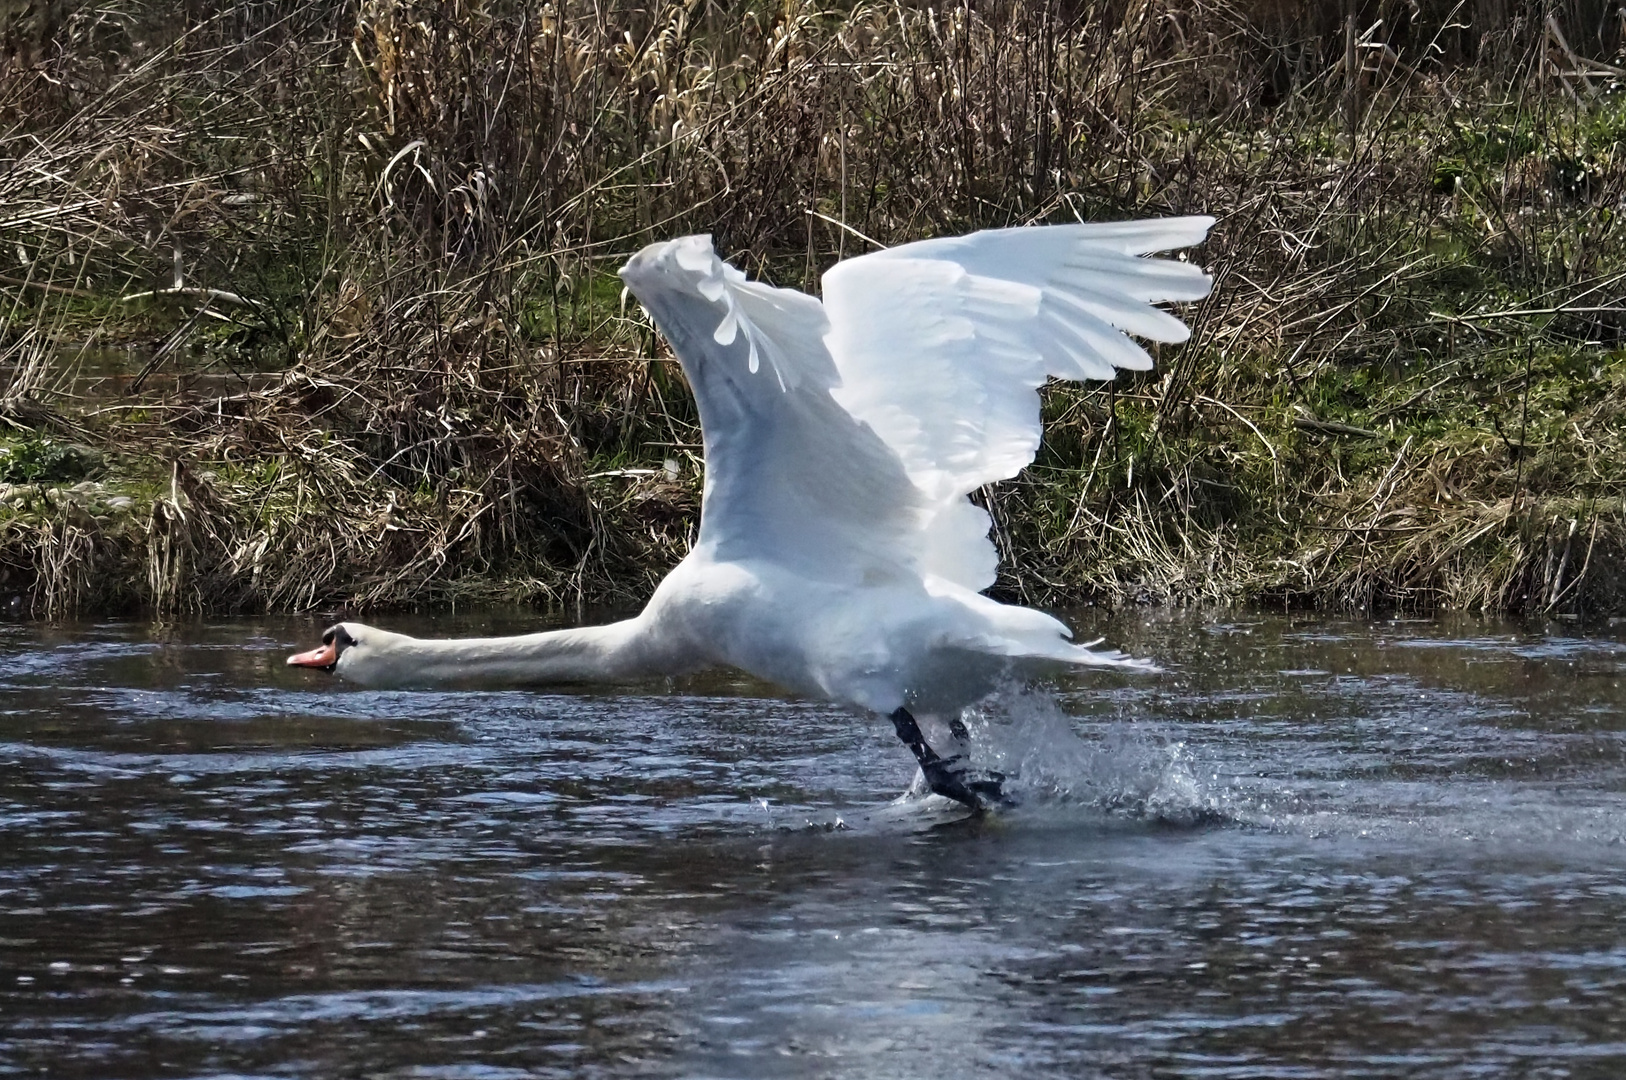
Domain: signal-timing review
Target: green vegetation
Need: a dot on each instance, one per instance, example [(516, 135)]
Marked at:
[(376, 354), (42, 461)]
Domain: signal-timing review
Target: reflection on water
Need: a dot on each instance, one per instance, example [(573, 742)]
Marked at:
[(1309, 848)]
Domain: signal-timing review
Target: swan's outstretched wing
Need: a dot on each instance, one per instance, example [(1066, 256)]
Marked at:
[(845, 446), (791, 476), (941, 346)]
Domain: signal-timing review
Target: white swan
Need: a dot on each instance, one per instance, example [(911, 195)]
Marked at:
[(839, 555)]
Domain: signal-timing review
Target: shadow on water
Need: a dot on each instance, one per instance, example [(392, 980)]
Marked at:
[(1311, 848)]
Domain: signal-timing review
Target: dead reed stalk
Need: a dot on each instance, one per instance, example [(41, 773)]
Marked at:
[(385, 232)]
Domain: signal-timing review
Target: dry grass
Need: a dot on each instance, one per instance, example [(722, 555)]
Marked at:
[(387, 230)]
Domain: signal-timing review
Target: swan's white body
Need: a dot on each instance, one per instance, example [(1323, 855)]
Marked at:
[(838, 553)]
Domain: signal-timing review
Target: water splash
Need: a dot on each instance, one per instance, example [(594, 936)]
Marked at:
[(1131, 771)]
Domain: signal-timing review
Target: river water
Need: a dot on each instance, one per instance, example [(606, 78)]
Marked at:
[(1309, 848)]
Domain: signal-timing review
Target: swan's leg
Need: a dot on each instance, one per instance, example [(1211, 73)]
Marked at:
[(988, 783), (941, 775)]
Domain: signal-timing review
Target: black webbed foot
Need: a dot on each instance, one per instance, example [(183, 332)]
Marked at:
[(980, 789), (948, 777)]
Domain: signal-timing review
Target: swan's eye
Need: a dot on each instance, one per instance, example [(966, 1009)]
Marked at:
[(338, 637)]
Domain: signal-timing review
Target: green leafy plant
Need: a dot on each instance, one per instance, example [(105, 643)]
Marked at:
[(43, 461)]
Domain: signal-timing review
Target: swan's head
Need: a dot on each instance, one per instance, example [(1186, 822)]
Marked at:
[(338, 643)]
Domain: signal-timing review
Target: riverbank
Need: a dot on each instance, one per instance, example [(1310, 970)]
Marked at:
[(370, 350)]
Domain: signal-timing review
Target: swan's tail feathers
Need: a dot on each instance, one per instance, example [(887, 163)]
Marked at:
[(1085, 656), (1017, 632)]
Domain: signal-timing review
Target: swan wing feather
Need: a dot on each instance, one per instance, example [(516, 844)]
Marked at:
[(791, 476), (940, 347)]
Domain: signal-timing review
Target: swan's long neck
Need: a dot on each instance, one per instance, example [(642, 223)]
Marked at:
[(621, 650)]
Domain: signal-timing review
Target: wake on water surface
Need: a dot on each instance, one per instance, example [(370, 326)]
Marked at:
[(1480, 780)]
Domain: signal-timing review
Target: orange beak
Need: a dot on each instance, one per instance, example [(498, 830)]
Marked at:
[(323, 656)]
